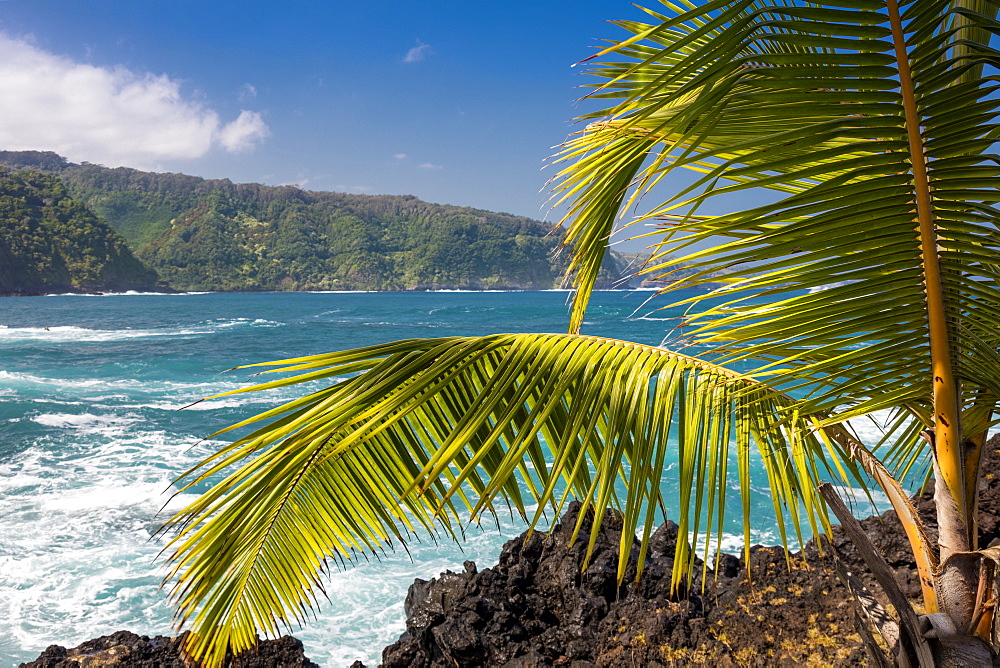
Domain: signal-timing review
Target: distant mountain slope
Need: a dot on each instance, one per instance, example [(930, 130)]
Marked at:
[(201, 234), (51, 242)]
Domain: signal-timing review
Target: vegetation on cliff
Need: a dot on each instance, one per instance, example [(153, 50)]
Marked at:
[(52, 242), (201, 234)]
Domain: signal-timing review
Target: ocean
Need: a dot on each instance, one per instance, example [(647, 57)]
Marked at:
[(92, 436)]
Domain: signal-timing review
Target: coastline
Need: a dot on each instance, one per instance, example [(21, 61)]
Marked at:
[(93, 293), (132, 293), (536, 607)]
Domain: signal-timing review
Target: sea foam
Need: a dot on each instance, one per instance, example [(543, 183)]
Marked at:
[(74, 334)]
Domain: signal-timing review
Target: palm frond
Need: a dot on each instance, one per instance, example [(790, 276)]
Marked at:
[(434, 431), (806, 101)]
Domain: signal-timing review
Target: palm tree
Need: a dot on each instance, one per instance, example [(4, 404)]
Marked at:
[(868, 285)]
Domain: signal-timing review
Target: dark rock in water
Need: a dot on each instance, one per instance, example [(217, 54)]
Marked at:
[(128, 649), (536, 608)]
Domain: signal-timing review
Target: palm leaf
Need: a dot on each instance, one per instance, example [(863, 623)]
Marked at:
[(434, 431), (869, 284), (866, 122)]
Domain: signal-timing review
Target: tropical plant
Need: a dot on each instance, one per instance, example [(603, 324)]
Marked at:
[(868, 285)]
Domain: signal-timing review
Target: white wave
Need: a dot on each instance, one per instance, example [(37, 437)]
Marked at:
[(92, 497), (733, 543), (69, 333), (133, 293), (19, 378), (85, 422), (367, 609), (130, 395), (86, 566), (73, 334), (871, 428), (210, 404), (241, 322), (124, 384), (860, 503)]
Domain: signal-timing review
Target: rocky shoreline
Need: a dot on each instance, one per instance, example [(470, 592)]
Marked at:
[(535, 608), (125, 648)]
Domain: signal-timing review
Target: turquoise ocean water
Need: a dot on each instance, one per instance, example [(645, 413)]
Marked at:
[(91, 439)]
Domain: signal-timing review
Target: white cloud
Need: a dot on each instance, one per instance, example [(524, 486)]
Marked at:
[(399, 156), (107, 115), (429, 165), (417, 53), (247, 92), (243, 133)]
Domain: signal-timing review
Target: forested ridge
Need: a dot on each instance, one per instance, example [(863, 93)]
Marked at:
[(212, 234), (52, 242)]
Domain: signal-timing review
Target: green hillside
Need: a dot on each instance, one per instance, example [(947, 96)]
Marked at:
[(51, 242), (201, 234)]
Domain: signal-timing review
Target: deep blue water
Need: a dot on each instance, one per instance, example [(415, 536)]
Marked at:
[(91, 439)]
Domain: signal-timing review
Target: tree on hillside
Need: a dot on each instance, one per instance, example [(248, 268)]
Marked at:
[(869, 286)]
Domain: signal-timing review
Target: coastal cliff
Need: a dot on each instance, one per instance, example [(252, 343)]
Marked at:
[(50, 242)]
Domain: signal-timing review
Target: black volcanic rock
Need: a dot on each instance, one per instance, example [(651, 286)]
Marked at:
[(536, 608), (128, 649)]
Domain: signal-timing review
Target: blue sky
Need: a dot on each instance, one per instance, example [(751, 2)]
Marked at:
[(455, 102)]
